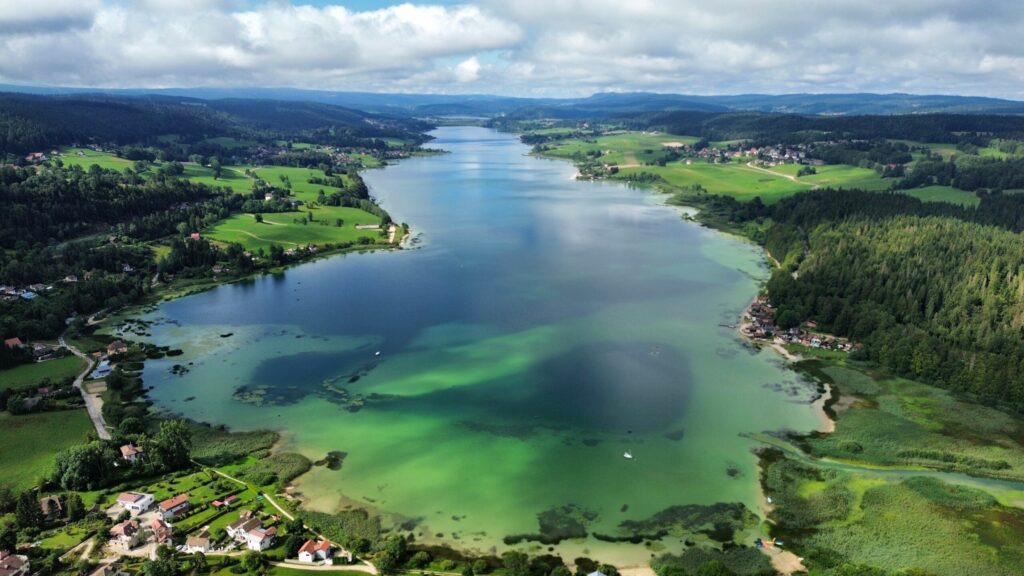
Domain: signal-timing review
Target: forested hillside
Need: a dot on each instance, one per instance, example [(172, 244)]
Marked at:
[(32, 123), (934, 291)]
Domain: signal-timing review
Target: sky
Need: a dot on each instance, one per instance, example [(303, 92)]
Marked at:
[(520, 47)]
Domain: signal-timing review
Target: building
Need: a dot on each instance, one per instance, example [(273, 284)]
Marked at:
[(132, 453), (14, 565), (51, 507), (13, 342), (250, 531), (316, 551), (173, 507), (41, 351), (161, 530), (195, 544), (116, 347), (126, 535), (136, 502), (259, 539)]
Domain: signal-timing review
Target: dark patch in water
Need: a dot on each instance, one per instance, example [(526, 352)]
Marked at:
[(676, 435), (189, 399), (591, 442), (733, 471), (227, 335), (333, 460), (624, 508), (557, 524)]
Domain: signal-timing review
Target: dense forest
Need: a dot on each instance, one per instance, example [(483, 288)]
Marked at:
[(934, 291)]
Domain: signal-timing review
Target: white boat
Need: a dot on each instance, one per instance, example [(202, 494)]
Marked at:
[(628, 455), (377, 353)]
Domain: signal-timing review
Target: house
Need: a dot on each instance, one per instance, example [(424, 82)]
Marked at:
[(174, 506), (194, 236), (161, 530), (251, 532), (195, 544), (131, 452), (51, 507), (259, 539), (71, 278), (126, 535), (14, 565), (314, 551), (230, 500), (135, 502), (13, 342), (41, 351), (116, 347)]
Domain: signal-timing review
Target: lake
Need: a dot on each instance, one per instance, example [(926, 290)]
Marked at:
[(535, 330)]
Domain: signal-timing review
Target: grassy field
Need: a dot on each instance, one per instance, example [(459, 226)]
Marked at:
[(944, 194), (86, 157), (282, 228), (298, 177), (232, 177), (838, 176), (47, 433), (734, 179), (624, 149), (28, 374)]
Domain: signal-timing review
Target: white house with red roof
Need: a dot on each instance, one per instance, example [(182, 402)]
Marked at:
[(136, 502), (172, 507), (316, 551)]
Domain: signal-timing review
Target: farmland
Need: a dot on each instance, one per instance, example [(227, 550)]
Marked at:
[(48, 433)]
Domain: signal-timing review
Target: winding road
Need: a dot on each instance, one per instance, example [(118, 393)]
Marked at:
[(93, 404)]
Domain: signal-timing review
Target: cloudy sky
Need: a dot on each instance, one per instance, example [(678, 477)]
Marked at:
[(521, 47)]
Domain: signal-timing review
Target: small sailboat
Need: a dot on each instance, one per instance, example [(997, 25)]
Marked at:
[(628, 455), (377, 353)]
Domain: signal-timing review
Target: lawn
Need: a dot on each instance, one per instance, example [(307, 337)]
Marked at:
[(284, 230), (29, 374), (46, 433)]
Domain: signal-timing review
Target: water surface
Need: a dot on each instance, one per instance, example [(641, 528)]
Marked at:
[(537, 329)]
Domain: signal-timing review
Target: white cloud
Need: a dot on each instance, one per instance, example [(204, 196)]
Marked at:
[(468, 70), (534, 47)]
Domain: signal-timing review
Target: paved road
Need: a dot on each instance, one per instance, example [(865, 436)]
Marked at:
[(92, 403)]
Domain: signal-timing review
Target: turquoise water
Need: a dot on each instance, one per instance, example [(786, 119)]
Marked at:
[(535, 330)]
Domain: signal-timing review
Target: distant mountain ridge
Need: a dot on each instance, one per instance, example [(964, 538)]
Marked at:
[(604, 103)]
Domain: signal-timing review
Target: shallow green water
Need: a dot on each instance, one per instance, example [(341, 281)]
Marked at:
[(539, 328)]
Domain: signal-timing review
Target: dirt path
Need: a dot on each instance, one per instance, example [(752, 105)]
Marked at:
[(789, 177), (93, 403)]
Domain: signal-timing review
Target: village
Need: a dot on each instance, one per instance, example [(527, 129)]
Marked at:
[(759, 324)]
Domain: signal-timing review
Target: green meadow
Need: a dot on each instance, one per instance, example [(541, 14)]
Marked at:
[(232, 177), (86, 157), (29, 374), (733, 179), (837, 176), (292, 229), (47, 433), (625, 149), (298, 179), (944, 194)]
